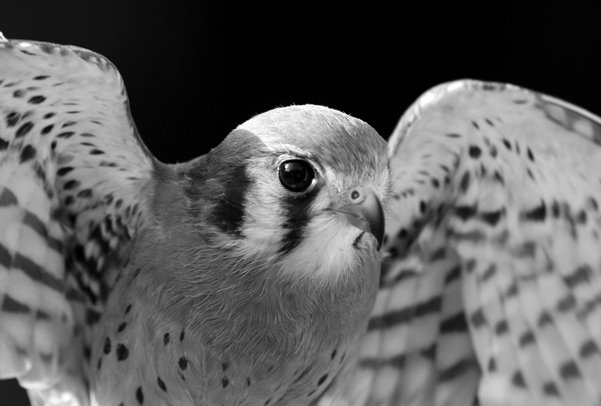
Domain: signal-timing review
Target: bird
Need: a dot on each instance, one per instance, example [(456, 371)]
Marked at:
[(245, 276), (304, 260)]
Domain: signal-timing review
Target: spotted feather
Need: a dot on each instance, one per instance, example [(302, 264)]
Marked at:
[(490, 292), (208, 282), (71, 167)]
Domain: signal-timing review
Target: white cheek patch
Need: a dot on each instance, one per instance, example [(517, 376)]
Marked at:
[(325, 249), (325, 252), (261, 227), (261, 230)]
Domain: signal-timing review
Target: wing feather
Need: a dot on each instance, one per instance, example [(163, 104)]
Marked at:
[(495, 206), (73, 172)]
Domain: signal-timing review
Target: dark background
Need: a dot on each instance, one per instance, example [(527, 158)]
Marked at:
[(194, 70)]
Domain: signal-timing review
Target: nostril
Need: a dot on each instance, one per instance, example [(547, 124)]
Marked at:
[(355, 195)]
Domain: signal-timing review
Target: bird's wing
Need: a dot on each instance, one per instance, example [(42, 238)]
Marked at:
[(491, 293), (73, 176)]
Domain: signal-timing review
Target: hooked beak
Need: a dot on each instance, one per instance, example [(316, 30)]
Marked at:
[(366, 215)]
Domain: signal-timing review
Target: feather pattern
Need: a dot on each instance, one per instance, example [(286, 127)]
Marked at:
[(71, 168), (489, 291), (182, 284), (493, 261)]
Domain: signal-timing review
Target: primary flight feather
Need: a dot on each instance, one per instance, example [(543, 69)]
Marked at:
[(251, 275)]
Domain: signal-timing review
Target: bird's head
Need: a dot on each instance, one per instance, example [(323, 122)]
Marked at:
[(284, 221), (301, 186)]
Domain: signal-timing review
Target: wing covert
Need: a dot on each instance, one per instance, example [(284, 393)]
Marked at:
[(73, 178)]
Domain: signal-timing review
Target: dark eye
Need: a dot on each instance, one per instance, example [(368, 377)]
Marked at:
[(296, 175)]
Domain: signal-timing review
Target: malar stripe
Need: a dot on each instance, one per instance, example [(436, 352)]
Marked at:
[(405, 315), (398, 361), (37, 273), (296, 215), (11, 305), (8, 198), (34, 222)]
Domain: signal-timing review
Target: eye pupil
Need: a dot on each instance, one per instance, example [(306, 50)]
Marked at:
[(296, 175)]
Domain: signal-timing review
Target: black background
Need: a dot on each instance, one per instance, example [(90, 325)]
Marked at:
[(195, 70)]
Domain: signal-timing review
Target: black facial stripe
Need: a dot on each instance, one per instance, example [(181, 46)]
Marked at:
[(228, 213), (218, 182), (296, 215)]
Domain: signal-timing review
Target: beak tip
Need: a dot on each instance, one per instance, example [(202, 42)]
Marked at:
[(367, 216), (376, 221), (380, 239), (374, 215)]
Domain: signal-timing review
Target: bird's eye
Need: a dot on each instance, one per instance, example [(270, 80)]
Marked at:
[(296, 175)]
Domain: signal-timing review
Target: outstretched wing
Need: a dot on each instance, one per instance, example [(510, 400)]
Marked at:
[(73, 173), (491, 291), (417, 349)]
